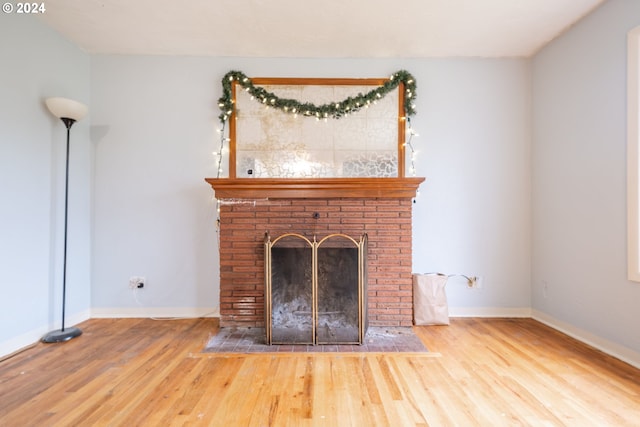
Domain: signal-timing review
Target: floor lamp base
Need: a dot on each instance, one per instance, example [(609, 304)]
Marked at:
[(62, 335)]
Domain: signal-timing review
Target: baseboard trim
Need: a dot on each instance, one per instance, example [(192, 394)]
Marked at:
[(154, 312), (612, 349), (489, 312)]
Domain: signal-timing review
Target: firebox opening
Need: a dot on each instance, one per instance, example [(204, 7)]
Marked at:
[(337, 295), (291, 295)]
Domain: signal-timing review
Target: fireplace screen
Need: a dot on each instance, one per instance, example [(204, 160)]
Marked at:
[(315, 290)]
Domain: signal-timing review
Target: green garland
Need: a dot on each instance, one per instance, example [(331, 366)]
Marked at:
[(334, 110)]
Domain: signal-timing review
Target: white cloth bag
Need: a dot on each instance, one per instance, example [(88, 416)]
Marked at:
[(430, 299)]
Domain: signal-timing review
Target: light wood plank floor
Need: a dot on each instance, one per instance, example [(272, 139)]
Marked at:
[(486, 372)]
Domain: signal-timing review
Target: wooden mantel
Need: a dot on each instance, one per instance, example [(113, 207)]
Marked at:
[(314, 188)]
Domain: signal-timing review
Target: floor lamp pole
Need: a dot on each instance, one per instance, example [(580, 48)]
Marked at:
[(68, 333)]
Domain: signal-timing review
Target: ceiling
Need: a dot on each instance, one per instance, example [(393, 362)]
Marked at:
[(315, 29)]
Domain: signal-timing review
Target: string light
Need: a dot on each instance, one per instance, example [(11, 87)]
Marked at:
[(409, 144), (223, 139)]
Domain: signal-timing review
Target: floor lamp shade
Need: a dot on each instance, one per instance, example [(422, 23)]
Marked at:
[(69, 111), (64, 108)]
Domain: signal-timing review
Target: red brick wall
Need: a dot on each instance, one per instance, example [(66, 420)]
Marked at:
[(386, 221)]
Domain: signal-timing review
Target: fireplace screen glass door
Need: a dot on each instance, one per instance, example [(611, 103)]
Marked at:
[(315, 290)]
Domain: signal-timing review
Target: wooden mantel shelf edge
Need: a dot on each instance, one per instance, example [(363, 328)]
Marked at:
[(314, 188)]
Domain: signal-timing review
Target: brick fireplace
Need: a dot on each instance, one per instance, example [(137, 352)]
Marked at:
[(379, 207)]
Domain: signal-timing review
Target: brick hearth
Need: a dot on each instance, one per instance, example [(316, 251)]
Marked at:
[(387, 221)]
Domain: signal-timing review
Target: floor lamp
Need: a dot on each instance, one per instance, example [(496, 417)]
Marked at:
[(69, 111)]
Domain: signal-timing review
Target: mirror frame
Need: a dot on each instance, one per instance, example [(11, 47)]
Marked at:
[(274, 81)]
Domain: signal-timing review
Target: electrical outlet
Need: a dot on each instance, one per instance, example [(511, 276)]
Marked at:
[(136, 282), (474, 282)]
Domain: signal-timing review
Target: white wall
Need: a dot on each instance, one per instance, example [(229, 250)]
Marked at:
[(154, 120), (473, 213), (37, 63), (154, 215), (579, 177)]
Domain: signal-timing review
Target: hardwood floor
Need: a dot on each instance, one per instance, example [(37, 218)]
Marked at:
[(486, 372)]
